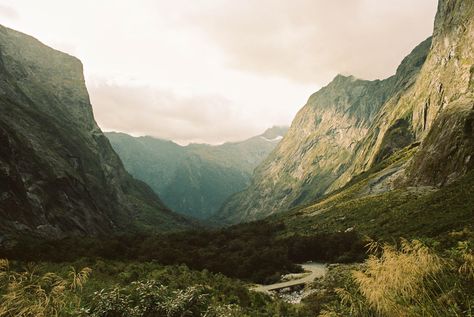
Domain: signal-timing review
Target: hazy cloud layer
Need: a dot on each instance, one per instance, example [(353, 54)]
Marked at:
[(143, 110), (8, 12), (312, 40), (217, 70)]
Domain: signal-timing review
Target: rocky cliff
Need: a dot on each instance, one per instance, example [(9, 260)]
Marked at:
[(350, 126), (436, 111), (58, 173), (194, 179), (318, 147)]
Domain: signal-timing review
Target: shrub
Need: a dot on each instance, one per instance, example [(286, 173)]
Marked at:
[(149, 298)]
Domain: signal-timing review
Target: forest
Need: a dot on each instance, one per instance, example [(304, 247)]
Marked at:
[(257, 252)]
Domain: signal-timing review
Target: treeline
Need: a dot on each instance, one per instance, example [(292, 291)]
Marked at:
[(254, 252)]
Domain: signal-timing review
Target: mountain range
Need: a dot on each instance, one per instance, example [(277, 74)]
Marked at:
[(375, 178), (196, 179)]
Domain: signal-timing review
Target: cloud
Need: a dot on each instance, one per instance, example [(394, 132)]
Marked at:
[(219, 70), (8, 12), (312, 40), (144, 110)]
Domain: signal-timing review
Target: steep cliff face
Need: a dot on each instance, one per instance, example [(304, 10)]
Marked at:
[(427, 106), (58, 173), (436, 111), (318, 147), (444, 108), (195, 179)]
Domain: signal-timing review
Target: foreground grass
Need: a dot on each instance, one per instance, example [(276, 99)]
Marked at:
[(409, 280), (116, 289)]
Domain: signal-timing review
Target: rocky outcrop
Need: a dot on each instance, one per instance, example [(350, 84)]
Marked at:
[(58, 173), (194, 179), (437, 109), (444, 113)]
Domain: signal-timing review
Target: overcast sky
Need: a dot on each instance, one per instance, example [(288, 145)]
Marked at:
[(219, 70)]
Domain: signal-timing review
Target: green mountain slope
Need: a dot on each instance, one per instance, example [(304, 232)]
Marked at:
[(351, 125), (426, 189), (58, 173), (437, 109), (317, 149), (363, 205), (194, 179)]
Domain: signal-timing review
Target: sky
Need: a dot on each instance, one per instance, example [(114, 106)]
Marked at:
[(211, 71)]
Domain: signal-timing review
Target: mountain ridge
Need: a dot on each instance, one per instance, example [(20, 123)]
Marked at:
[(426, 107), (197, 178), (321, 139)]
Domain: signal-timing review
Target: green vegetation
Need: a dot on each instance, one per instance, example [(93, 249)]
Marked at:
[(119, 289), (409, 280), (412, 212), (254, 252)]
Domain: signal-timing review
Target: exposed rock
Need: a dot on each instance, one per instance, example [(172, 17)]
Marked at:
[(351, 126), (438, 108), (58, 173), (318, 148)]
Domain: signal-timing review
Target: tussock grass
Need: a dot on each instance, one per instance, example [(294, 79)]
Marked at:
[(30, 294), (410, 281)]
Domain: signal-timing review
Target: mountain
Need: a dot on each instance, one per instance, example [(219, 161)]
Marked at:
[(317, 149), (59, 176), (195, 179), (412, 130)]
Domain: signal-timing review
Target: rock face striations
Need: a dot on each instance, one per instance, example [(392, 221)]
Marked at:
[(58, 173), (352, 125), (194, 179)]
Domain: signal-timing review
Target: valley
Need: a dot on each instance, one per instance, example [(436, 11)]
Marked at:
[(364, 206), (196, 179)]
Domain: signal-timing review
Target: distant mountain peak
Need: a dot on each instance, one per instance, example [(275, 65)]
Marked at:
[(197, 178)]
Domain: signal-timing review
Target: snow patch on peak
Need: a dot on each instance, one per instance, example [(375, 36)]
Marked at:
[(276, 139)]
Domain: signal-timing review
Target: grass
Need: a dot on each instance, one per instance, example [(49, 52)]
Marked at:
[(411, 280), (28, 292), (407, 212), (134, 289)]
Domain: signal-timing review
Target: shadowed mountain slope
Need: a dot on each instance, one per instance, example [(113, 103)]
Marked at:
[(58, 173)]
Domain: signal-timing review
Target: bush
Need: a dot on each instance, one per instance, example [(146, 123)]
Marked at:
[(254, 252), (148, 298)]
